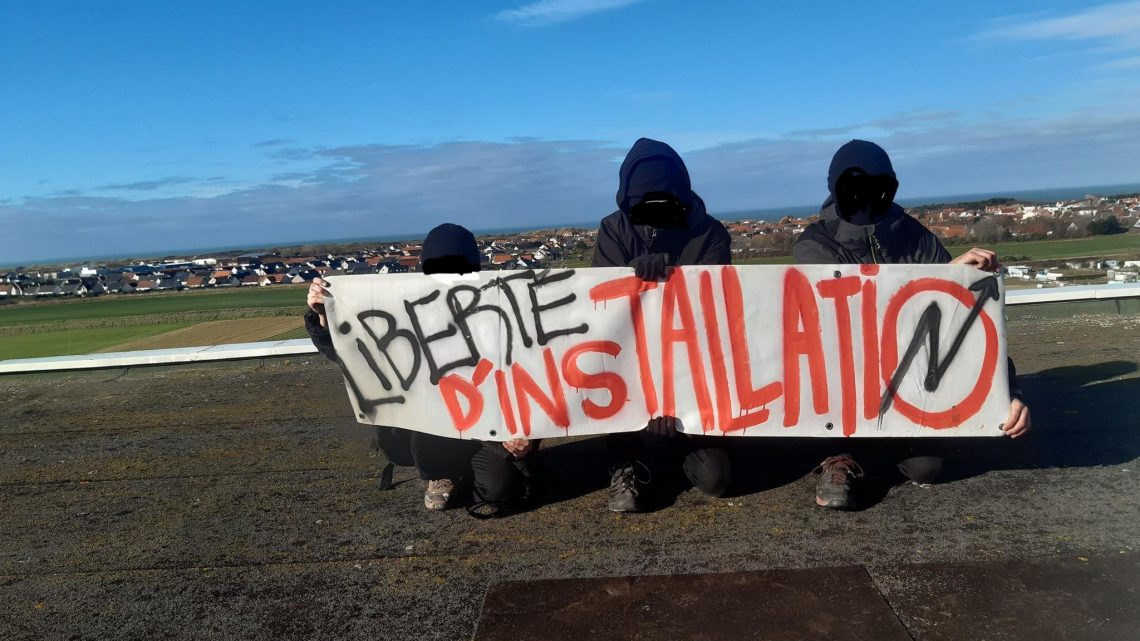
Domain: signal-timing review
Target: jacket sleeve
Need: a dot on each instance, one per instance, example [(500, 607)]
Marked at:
[(609, 251), (934, 252), (1014, 387), (321, 336), (719, 250)]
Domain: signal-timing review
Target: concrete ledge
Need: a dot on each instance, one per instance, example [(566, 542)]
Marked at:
[(305, 346), (159, 356), (1069, 294)]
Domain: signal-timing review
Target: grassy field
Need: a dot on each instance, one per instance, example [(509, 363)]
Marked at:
[(151, 321), (156, 304), (77, 341), (766, 260), (1099, 246), (221, 332)]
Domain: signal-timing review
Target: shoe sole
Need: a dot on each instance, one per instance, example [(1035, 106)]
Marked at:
[(834, 505)]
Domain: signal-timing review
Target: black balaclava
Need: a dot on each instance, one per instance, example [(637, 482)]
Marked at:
[(862, 182)]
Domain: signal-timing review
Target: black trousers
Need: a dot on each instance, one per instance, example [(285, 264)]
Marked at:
[(497, 477), (918, 459), (434, 457), (704, 459)]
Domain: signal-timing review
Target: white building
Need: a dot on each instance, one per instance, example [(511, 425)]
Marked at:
[(1017, 271)]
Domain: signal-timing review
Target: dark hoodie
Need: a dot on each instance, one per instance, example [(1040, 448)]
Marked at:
[(893, 238), (653, 166), (448, 248)]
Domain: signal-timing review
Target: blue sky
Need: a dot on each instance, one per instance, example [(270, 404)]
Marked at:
[(143, 126)]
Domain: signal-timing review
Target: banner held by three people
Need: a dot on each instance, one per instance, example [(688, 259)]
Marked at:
[(851, 350)]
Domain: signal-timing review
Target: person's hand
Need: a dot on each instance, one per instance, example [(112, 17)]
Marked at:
[(519, 447), (317, 294), (662, 426), (1018, 422), (979, 258), (651, 266)]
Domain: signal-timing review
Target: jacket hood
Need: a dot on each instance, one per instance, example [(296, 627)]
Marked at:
[(449, 240), (652, 166), (868, 156)]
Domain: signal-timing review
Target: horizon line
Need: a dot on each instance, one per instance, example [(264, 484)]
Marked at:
[(793, 210)]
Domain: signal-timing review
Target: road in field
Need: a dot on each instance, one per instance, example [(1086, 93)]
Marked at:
[(221, 332)]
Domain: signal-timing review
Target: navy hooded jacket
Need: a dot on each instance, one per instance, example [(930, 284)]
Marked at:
[(894, 238), (653, 166)]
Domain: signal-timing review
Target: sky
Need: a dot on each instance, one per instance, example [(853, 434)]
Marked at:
[(140, 126)]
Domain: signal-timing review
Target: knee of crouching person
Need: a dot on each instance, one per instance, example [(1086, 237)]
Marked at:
[(921, 469), (709, 470)]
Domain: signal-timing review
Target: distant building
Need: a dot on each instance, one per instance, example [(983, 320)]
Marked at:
[(1017, 271)]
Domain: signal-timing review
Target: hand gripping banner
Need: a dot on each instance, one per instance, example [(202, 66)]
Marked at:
[(818, 350)]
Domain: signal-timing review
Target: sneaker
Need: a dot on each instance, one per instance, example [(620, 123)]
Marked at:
[(437, 494), (836, 477), (625, 487)]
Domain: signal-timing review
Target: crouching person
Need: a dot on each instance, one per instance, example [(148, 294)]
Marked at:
[(660, 223), (860, 223), (500, 473)]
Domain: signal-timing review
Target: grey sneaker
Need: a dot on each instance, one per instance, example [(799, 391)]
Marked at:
[(836, 478), (437, 494), (625, 486)]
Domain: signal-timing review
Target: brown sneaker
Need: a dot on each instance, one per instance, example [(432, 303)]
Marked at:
[(626, 483), (836, 476), (437, 494)]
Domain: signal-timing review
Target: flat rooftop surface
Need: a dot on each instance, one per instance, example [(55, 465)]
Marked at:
[(239, 500)]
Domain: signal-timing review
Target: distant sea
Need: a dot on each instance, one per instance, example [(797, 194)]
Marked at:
[(1026, 195), (771, 213)]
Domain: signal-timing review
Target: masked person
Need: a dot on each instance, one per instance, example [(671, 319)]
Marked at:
[(860, 223), (660, 223), (501, 471)]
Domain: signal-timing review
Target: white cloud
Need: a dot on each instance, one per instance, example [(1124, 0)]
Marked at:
[(1109, 28), (380, 190), (548, 12)]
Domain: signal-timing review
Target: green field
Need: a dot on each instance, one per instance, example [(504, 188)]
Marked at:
[(1100, 246), (157, 304), (77, 341), (766, 260), (55, 328)]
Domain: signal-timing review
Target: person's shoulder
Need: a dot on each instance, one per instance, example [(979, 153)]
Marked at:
[(614, 221), (707, 224), (928, 246), (813, 232)]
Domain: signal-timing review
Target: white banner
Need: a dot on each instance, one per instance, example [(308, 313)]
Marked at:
[(816, 350)]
